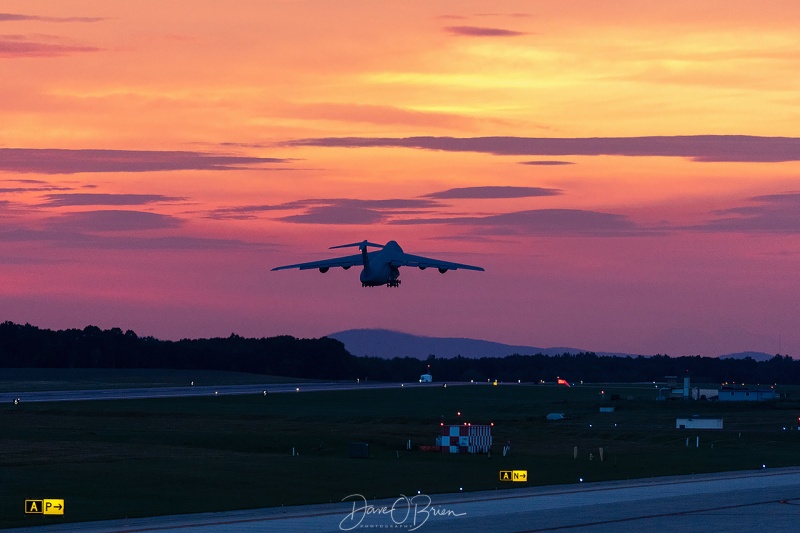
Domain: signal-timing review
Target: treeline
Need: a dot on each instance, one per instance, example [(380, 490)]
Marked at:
[(26, 346), (30, 347)]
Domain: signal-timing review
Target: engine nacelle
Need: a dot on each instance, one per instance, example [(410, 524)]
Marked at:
[(324, 269), (442, 270)]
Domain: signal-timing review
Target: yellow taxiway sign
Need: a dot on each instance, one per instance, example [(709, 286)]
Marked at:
[(50, 506)]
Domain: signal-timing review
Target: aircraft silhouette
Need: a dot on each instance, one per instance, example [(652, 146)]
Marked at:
[(381, 267)]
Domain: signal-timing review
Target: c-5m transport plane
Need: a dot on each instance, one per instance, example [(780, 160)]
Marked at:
[(381, 267)]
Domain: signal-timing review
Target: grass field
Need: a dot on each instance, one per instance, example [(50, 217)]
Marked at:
[(44, 379), (112, 459)]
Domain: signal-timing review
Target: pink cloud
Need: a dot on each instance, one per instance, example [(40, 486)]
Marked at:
[(477, 31), (574, 222), (705, 148), (58, 161), (12, 46), (70, 199), (15, 17), (113, 220), (490, 191), (773, 213)]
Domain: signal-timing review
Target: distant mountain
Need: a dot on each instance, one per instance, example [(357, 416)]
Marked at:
[(756, 356), (388, 344)]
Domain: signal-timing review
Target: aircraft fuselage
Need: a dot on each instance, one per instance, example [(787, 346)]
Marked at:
[(378, 269)]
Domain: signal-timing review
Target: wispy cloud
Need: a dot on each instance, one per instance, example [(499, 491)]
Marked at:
[(546, 222), (546, 163), (18, 46), (16, 17), (112, 221), (774, 213), (493, 192), (336, 214), (70, 238), (705, 148), (331, 210), (375, 114), (58, 161), (478, 31), (72, 199), (6, 190)]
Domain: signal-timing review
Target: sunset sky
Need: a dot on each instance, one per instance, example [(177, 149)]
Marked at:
[(626, 172)]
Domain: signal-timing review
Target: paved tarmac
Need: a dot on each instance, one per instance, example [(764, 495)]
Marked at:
[(764, 500), (177, 392)]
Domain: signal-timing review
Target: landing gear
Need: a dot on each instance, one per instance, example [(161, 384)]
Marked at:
[(393, 283)]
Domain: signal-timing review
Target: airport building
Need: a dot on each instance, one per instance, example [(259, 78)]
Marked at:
[(740, 393)]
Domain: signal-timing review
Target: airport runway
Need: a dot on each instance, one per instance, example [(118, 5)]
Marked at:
[(765, 500), (178, 392)]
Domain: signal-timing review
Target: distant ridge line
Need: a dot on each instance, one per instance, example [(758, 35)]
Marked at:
[(388, 344)]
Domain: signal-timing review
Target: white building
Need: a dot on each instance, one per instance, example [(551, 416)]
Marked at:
[(746, 394), (698, 423)]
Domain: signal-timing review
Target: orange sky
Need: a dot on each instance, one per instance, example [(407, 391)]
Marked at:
[(667, 220)]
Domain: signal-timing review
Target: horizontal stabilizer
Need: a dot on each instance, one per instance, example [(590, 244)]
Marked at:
[(361, 245)]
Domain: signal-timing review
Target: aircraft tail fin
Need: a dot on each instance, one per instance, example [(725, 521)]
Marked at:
[(363, 247)]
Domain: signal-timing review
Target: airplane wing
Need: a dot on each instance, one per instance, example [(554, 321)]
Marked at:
[(425, 262), (344, 262)]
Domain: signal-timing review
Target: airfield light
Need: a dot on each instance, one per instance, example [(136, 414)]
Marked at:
[(491, 424), (459, 413), (216, 392), (519, 381), (580, 479), (590, 425), (460, 489), (297, 389)]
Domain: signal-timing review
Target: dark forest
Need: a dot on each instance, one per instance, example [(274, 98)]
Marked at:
[(26, 346)]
